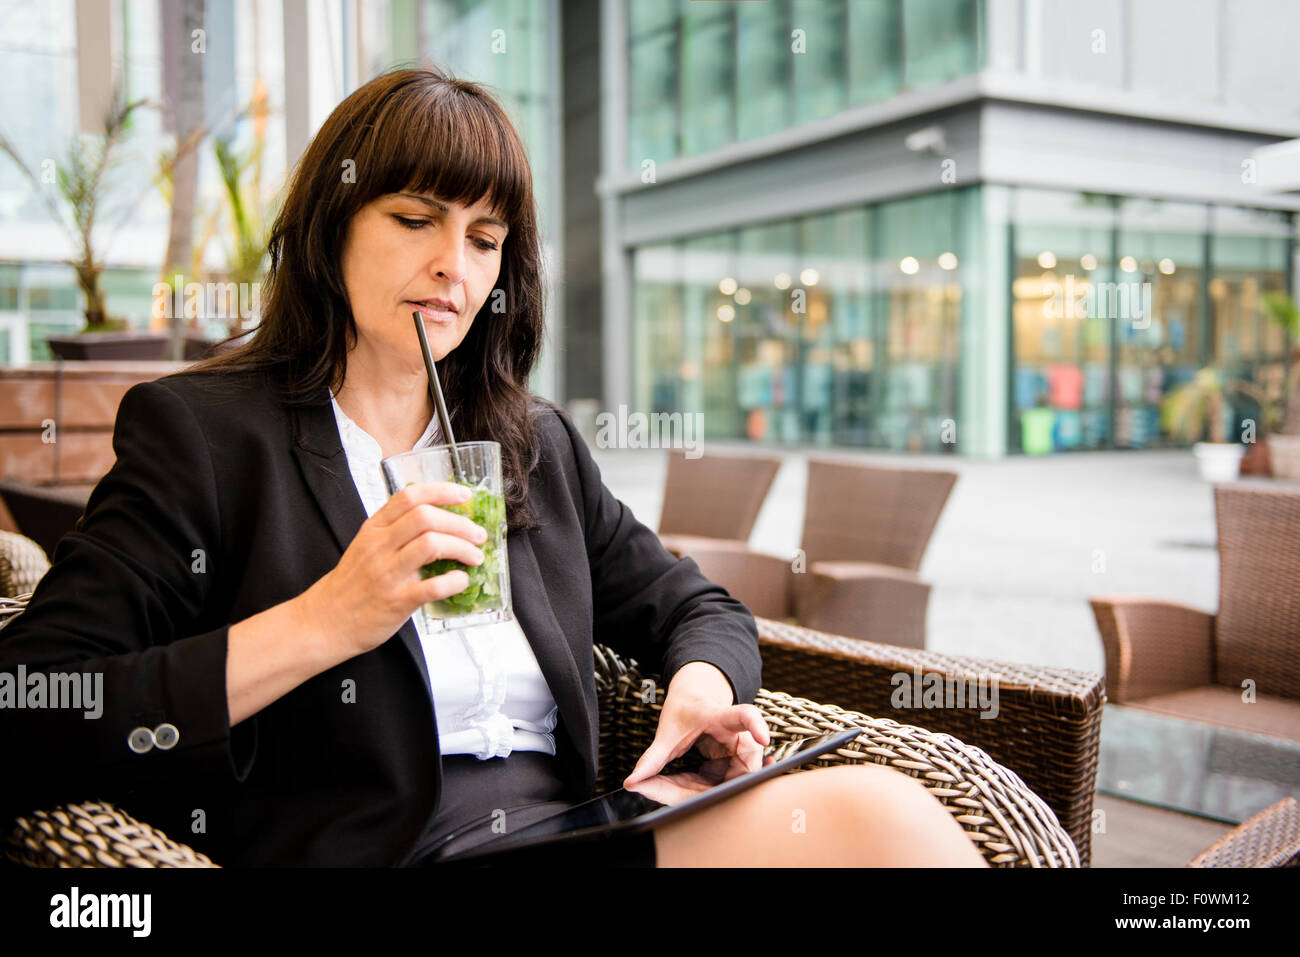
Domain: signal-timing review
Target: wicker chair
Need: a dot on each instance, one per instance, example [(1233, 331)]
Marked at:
[(1193, 664), (1009, 823), (714, 497), (1269, 839), (865, 532)]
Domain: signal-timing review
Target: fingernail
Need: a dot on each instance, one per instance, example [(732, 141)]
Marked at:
[(480, 534)]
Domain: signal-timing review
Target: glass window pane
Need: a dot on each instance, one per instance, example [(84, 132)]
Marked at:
[(643, 18), (919, 299), (706, 78), (763, 69), (1060, 394), (1158, 327), (1248, 256), (766, 330), (939, 41), (875, 41), (652, 99), (819, 72)]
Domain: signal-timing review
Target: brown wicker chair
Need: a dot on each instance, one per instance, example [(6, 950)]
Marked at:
[(1193, 664), (713, 497), (1011, 825), (1269, 839), (1047, 728), (864, 535)]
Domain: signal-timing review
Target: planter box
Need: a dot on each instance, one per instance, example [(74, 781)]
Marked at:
[(80, 399), (110, 345)]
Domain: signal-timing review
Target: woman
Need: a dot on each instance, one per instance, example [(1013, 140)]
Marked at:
[(240, 575)]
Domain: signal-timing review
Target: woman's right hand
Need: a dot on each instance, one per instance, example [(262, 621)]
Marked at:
[(376, 586)]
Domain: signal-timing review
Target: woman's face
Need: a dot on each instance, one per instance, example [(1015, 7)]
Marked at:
[(408, 252)]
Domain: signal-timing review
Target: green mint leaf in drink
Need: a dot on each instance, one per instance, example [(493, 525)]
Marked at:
[(486, 509)]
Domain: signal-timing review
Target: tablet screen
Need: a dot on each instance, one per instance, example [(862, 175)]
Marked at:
[(711, 780)]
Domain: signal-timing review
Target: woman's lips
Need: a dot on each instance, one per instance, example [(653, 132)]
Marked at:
[(432, 313)]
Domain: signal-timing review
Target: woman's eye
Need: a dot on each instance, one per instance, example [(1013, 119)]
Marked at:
[(483, 244)]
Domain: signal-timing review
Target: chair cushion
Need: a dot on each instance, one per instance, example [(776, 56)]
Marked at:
[(1216, 704)]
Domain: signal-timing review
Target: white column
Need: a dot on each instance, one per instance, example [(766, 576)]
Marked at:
[(98, 54)]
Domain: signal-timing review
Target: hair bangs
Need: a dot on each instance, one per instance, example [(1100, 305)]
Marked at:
[(448, 143)]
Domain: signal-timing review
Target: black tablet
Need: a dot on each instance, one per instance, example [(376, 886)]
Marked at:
[(654, 801)]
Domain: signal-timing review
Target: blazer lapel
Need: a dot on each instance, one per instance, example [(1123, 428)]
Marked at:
[(324, 466), (532, 608)]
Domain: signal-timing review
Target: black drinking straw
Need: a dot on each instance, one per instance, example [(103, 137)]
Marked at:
[(435, 393)]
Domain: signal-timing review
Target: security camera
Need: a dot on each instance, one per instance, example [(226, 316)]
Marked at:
[(930, 139)]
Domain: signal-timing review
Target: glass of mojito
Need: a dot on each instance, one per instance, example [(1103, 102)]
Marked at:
[(487, 599)]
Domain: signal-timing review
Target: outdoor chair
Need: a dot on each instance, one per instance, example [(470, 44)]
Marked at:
[(1269, 839), (1239, 667), (1010, 824), (44, 514), (715, 497), (865, 532)]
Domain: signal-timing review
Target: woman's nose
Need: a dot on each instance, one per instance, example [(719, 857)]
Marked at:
[(448, 261)]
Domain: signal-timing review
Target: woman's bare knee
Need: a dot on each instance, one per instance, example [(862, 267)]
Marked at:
[(859, 815), (897, 822)]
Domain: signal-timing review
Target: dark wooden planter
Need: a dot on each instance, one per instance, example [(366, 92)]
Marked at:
[(110, 345)]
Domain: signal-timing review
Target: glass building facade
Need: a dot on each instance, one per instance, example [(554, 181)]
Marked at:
[(839, 328), (703, 75), (1118, 301), (913, 322), (845, 327)]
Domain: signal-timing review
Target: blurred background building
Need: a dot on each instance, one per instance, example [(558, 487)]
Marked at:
[(932, 226)]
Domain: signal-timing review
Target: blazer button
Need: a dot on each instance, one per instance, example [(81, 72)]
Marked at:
[(140, 741), (165, 736)]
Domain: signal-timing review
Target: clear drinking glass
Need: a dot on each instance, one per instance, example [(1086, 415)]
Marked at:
[(487, 599)]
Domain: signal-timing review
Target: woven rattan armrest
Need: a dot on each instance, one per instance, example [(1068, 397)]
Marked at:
[(1269, 839), (1010, 824), (1153, 647), (1047, 728)]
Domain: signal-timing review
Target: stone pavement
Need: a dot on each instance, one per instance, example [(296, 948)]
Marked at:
[(1021, 545)]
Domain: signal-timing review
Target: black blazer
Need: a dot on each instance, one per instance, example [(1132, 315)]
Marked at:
[(224, 502)]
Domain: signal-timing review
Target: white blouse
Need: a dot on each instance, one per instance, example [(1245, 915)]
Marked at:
[(489, 694)]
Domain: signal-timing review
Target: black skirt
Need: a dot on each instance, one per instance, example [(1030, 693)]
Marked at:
[(482, 800)]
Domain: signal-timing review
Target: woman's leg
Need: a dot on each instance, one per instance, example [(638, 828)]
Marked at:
[(846, 816)]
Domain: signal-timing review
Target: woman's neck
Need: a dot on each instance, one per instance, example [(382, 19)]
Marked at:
[(393, 409)]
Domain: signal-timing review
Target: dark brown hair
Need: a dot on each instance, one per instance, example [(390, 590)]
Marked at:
[(422, 131)]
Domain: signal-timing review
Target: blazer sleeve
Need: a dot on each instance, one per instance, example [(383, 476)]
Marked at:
[(658, 609), (115, 612)]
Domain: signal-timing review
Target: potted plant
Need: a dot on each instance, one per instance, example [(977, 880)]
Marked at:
[(1202, 406), (82, 181), (1284, 445), (242, 225)]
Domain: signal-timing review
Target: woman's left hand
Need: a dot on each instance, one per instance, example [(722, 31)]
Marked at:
[(697, 710)]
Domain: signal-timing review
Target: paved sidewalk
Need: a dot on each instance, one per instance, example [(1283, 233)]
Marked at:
[(1021, 545)]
